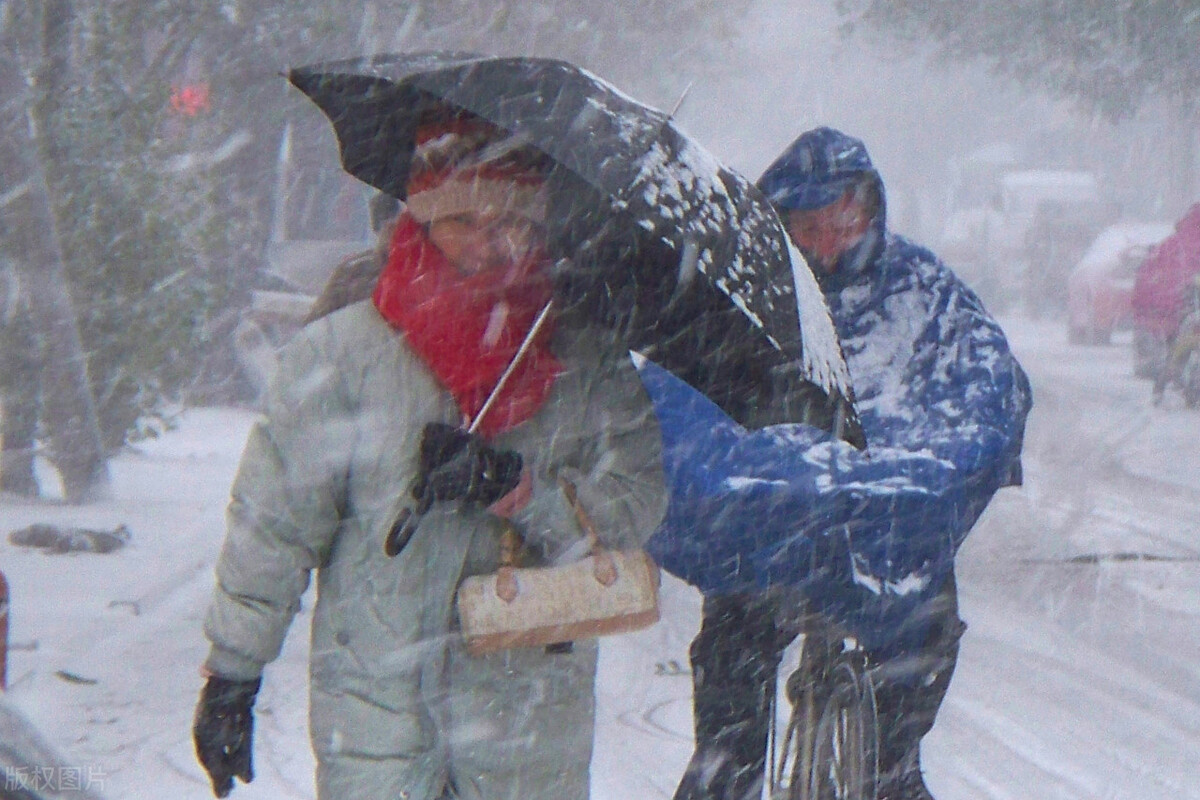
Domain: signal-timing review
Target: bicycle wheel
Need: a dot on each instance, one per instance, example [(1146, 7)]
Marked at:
[(831, 744)]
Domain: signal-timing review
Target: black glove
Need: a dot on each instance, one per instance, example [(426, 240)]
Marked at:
[(224, 730), (455, 464)]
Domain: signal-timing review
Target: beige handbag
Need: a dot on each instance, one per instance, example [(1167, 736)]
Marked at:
[(611, 591)]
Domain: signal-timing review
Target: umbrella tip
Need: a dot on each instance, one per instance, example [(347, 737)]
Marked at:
[(682, 97)]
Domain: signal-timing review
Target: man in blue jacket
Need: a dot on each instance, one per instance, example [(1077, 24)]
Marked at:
[(781, 528)]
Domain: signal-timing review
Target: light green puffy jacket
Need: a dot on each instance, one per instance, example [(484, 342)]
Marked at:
[(397, 707)]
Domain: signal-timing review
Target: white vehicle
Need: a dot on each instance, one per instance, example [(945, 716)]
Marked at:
[(321, 217), (1007, 245)]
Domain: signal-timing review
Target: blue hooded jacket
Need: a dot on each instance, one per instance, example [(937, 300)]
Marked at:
[(866, 536)]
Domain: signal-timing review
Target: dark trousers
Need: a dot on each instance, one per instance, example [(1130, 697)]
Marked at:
[(734, 661)]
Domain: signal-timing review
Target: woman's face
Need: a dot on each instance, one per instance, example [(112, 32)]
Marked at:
[(477, 242)]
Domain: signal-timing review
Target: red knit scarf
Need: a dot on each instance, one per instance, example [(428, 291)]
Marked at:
[(467, 328)]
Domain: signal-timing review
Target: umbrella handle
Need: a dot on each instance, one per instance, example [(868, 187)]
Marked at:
[(512, 365), (407, 520)]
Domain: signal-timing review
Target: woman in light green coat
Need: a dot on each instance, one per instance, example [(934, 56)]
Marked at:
[(364, 413)]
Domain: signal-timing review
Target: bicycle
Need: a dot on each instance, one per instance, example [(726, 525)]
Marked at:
[(830, 746), (1181, 366)]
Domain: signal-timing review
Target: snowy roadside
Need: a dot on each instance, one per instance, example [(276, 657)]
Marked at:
[(106, 647)]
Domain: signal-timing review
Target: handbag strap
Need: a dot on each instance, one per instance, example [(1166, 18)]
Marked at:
[(603, 566), (585, 522)]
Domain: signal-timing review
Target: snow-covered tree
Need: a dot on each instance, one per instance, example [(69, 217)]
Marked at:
[(1114, 57), (159, 123)]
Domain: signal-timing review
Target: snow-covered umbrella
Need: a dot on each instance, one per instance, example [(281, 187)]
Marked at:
[(682, 255)]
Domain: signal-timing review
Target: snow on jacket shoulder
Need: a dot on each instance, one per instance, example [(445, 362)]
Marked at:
[(932, 369), (943, 404)]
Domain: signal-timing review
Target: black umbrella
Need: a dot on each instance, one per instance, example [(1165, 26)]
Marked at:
[(683, 256)]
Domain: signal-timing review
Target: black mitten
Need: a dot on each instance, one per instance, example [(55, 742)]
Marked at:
[(224, 731), (457, 465)]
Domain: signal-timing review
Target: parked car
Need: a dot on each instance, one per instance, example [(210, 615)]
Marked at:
[(1100, 286)]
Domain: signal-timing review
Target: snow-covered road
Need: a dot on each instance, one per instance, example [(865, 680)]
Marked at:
[(1079, 674)]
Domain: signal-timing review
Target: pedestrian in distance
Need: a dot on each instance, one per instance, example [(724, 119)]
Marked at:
[(1163, 297)]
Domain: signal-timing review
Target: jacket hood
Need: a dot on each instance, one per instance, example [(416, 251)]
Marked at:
[(817, 169)]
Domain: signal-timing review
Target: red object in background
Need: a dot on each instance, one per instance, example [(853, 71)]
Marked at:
[(1100, 287), (1160, 291), (191, 99), (3, 633)]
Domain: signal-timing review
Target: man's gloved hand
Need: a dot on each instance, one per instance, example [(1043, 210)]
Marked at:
[(224, 731), (455, 464)]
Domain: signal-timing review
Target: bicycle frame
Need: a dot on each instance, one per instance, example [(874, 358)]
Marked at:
[(830, 748)]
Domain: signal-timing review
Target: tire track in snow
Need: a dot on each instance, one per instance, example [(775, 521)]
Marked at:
[(644, 721)]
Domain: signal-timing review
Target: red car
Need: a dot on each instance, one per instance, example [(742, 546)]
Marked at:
[(1100, 287)]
